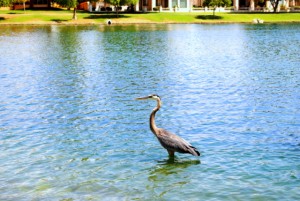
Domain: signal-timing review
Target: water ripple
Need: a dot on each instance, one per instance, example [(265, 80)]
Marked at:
[(71, 130)]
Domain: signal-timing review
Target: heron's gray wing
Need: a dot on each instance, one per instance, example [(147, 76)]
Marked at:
[(173, 142)]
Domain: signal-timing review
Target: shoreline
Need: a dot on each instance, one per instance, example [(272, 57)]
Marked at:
[(139, 23), (89, 19)]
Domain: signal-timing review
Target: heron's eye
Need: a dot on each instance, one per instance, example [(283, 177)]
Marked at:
[(154, 96)]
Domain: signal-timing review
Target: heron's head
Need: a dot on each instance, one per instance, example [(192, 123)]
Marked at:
[(152, 96)]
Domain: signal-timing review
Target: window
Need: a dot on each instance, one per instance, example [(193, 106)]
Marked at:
[(183, 4), (174, 3)]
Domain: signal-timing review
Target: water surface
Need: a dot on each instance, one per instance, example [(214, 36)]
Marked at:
[(71, 129)]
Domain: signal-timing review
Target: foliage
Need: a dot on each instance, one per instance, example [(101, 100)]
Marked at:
[(156, 8), (261, 3), (67, 3), (118, 3), (217, 3), (4, 3), (20, 1), (132, 2)]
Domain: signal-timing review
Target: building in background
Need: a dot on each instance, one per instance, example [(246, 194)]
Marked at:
[(173, 5)]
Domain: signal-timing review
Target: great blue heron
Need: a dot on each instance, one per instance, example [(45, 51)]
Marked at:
[(171, 142)]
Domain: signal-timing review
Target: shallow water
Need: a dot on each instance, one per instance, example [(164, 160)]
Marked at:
[(71, 129)]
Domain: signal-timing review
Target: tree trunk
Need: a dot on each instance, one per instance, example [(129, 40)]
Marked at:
[(276, 7), (117, 11), (24, 5), (74, 14), (275, 4)]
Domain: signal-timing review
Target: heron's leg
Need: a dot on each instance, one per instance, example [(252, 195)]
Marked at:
[(171, 153)]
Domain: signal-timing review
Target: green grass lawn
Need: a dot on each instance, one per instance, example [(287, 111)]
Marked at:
[(65, 16)]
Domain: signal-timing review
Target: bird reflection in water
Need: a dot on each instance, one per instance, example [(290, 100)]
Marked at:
[(170, 175), (170, 166)]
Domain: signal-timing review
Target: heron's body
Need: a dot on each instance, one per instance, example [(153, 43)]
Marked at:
[(171, 142)]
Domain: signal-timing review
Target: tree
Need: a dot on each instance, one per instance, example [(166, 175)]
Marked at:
[(21, 1), (132, 3), (73, 4), (118, 3), (275, 4), (4, 3), (69, 4), (217, 3)]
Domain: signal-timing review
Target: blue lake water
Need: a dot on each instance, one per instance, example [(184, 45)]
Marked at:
[(70, 128)]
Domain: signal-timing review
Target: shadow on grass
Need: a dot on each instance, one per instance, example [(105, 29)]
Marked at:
[(46, 9), (255, 13), (59, 20), (209, 17), (2, 18), (105, 16)]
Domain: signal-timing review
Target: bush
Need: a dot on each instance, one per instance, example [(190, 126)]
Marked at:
[(156, 8), (217, 3)]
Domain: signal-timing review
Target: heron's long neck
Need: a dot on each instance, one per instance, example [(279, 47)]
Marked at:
[(153, 127)]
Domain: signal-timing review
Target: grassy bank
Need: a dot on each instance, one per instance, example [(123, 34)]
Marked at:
[(64, 17)]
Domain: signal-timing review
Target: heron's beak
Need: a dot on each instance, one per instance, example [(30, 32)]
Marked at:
[(142, 98)]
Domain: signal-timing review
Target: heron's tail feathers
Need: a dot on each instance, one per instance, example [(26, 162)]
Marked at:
[(194, 151)]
